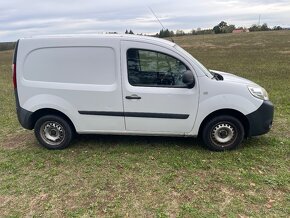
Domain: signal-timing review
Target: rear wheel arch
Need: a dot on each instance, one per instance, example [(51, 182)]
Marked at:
[(230, 112), (49, 111)]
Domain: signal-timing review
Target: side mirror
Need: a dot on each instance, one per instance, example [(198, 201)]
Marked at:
[(188, 79)]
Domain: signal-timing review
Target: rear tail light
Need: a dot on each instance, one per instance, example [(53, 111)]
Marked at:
[(14, 76), (14, 65)]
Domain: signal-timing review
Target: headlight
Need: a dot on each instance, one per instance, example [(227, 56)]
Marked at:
[(258, 92)]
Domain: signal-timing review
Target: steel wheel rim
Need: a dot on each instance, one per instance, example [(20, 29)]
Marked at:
[(52, 133), (223, 134)]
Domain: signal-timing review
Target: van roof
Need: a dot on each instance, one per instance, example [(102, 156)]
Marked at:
[(121, 36)]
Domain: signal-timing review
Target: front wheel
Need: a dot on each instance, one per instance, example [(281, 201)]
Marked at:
[(223, 133), (53, 132)]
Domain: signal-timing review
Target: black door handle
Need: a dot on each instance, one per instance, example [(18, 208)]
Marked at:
[(133, 97)]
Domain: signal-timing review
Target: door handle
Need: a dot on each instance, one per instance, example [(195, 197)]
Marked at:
[(133, 97)]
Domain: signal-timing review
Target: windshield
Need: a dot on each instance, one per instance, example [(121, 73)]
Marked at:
[(196, 62)]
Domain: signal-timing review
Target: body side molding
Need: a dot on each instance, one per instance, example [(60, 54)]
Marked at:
[(136, 114)]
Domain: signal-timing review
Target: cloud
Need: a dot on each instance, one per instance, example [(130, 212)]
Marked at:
[(23, 18)]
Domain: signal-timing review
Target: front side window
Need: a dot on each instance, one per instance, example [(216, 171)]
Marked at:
[(154, 69)]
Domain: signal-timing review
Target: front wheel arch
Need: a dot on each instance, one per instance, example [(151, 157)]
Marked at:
[(231, 112)]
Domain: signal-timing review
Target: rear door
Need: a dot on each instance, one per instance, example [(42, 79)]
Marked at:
[(155, 98)]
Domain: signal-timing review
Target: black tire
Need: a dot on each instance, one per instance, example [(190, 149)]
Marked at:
[(223, 133), (53, 132)]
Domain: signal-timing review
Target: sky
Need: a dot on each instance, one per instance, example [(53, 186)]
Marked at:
[(25, 18)]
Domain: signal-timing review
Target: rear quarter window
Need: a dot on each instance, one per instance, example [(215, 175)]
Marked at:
[(83, 65)]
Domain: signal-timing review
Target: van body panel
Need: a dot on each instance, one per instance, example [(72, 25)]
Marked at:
[(217, 95), (72, 75), (65, 64), (180, 101)]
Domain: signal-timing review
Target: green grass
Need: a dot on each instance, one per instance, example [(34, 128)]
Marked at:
[(117, 176)]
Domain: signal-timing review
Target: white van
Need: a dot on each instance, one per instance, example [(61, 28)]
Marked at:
[(133, 85)]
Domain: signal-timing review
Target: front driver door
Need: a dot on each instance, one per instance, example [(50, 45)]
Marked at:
[(155, 98)]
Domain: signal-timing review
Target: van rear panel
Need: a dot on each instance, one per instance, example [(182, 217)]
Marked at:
[(71, 75), (76, 65), (24, 116)]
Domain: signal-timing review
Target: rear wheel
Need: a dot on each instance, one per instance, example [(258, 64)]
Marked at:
[(223, 133), (53, 132)]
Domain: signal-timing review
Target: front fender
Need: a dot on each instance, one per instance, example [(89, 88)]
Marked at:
[(223, 101)]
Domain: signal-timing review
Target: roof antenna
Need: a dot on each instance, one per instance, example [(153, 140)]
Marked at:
[(163, 28)]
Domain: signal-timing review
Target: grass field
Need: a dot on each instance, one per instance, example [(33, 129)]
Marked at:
[(117, 176)]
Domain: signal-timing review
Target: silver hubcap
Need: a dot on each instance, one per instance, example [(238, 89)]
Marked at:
[(52, 133), (223, 134)]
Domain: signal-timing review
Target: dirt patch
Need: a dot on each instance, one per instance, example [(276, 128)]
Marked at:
[(16, 141), (258, 44), (284, 52), (234, 45), (199, 45), (228, 197), (4, 200)]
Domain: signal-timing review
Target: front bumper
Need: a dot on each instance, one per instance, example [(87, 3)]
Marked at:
[(260, 121)]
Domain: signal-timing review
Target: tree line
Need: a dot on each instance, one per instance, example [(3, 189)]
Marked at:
[(223, 27), (220, 28), (7, 46)]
